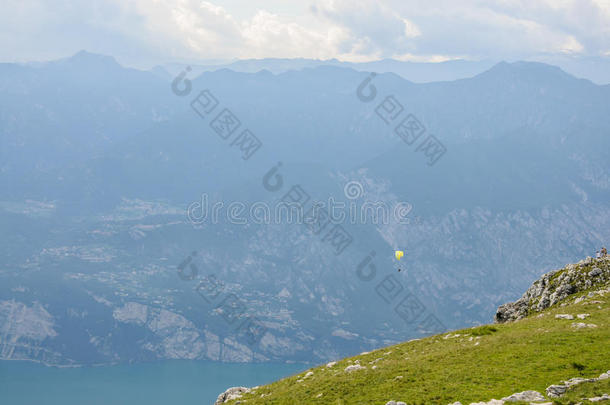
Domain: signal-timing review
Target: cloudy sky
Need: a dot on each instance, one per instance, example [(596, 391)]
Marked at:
[(147, 32)]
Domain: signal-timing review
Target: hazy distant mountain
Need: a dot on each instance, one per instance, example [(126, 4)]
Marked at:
[(99, 164), (594, 69), (419, 72), (73, 108)]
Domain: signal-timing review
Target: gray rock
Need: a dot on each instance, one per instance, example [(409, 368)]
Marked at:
[(525, 396), (564, 316), (578, 380), (580, 325), (604, 397), (595, 272), (555, 391), (512, 311), (353, 367), (231, 393)]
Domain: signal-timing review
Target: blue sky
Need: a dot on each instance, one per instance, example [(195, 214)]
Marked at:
[(147, 32)]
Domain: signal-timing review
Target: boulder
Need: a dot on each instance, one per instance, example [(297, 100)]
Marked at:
[(525, 396), (512, 311), (555, 391), (353, 367), (231, 393)]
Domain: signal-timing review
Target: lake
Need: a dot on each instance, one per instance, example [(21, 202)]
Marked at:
[(167, 382)]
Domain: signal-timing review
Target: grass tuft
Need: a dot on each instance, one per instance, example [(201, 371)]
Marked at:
[(483, 330)]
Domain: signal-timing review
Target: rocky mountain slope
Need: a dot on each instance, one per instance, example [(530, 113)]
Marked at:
[(551, 347)]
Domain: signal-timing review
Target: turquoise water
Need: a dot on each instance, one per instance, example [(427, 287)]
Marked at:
[(169, 382)]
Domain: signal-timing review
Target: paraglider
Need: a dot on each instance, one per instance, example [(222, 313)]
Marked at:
[(398, 255)]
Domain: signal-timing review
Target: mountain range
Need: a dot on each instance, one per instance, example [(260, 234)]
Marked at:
[(99, 165)]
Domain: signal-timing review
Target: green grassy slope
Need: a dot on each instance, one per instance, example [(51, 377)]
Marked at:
[(468, 365)]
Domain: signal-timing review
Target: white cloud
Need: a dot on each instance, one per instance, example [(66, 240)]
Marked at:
[(357, 30), (269, 34)]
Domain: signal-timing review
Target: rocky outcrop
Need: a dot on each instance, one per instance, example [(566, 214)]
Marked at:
[(555, 286), (231, 393)]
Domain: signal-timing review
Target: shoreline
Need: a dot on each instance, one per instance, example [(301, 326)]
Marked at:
[(96, 365)]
